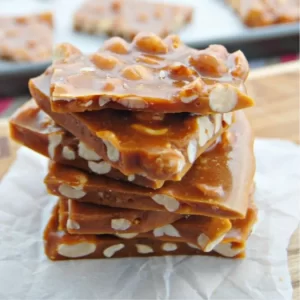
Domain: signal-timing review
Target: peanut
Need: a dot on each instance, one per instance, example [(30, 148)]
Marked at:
[(116, 45), (63, 51), (174, 40), (147, 60), (223, 98), (150, 42), (191, 91), (111, 84), (238, 65), (207, 62), (104, 61), (148, 130), (136, 72), (179, 70)]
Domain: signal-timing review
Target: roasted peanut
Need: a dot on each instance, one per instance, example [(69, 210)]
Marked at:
[(116, 45), (133, 102), (150, 42), (87, 70), (238, 65), (63, 51), (108, 86), (223, 98), (104, 61), (211, 191), (136, 72), (147, 60), (207, 62), (191, 91), (179, 70), (174, 40), (148, 130)]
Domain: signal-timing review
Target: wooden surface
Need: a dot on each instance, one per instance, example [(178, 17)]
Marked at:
[(276, 92), (276, 115)]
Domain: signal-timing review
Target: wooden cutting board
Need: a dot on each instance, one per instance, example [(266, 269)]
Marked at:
[(276, 115)]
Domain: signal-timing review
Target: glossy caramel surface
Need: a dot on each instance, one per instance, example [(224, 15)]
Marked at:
[(152, 145), (86, 218), (218, 184), (150, 74), (186, 229), (242, 228), (59, 245), (31, 127)]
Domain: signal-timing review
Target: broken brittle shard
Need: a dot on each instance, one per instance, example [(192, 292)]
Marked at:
[(218, 184), (151, 75), (171, 142)]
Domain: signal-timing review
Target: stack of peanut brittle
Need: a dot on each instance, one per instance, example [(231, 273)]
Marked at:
[(150, 153)]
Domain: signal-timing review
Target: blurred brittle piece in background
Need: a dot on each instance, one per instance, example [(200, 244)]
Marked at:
[(127, 18), (26, 38), (257, 13)]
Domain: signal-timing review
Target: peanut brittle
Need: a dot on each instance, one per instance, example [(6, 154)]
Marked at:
[(26, 38), (157, 146), (217, 185), (31, 127), (150, 75), (59, 245), (87, 218), (203, 232), (257, 13), (128, 17)]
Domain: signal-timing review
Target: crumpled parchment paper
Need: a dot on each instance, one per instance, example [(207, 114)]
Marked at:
[(25, 272)]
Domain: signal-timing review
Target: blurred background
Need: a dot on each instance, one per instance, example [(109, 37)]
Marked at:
[(267, 31)]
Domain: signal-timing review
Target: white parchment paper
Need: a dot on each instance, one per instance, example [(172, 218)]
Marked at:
[(25, 272)]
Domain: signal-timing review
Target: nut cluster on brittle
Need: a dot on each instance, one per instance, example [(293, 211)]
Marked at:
[(149, 63)]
